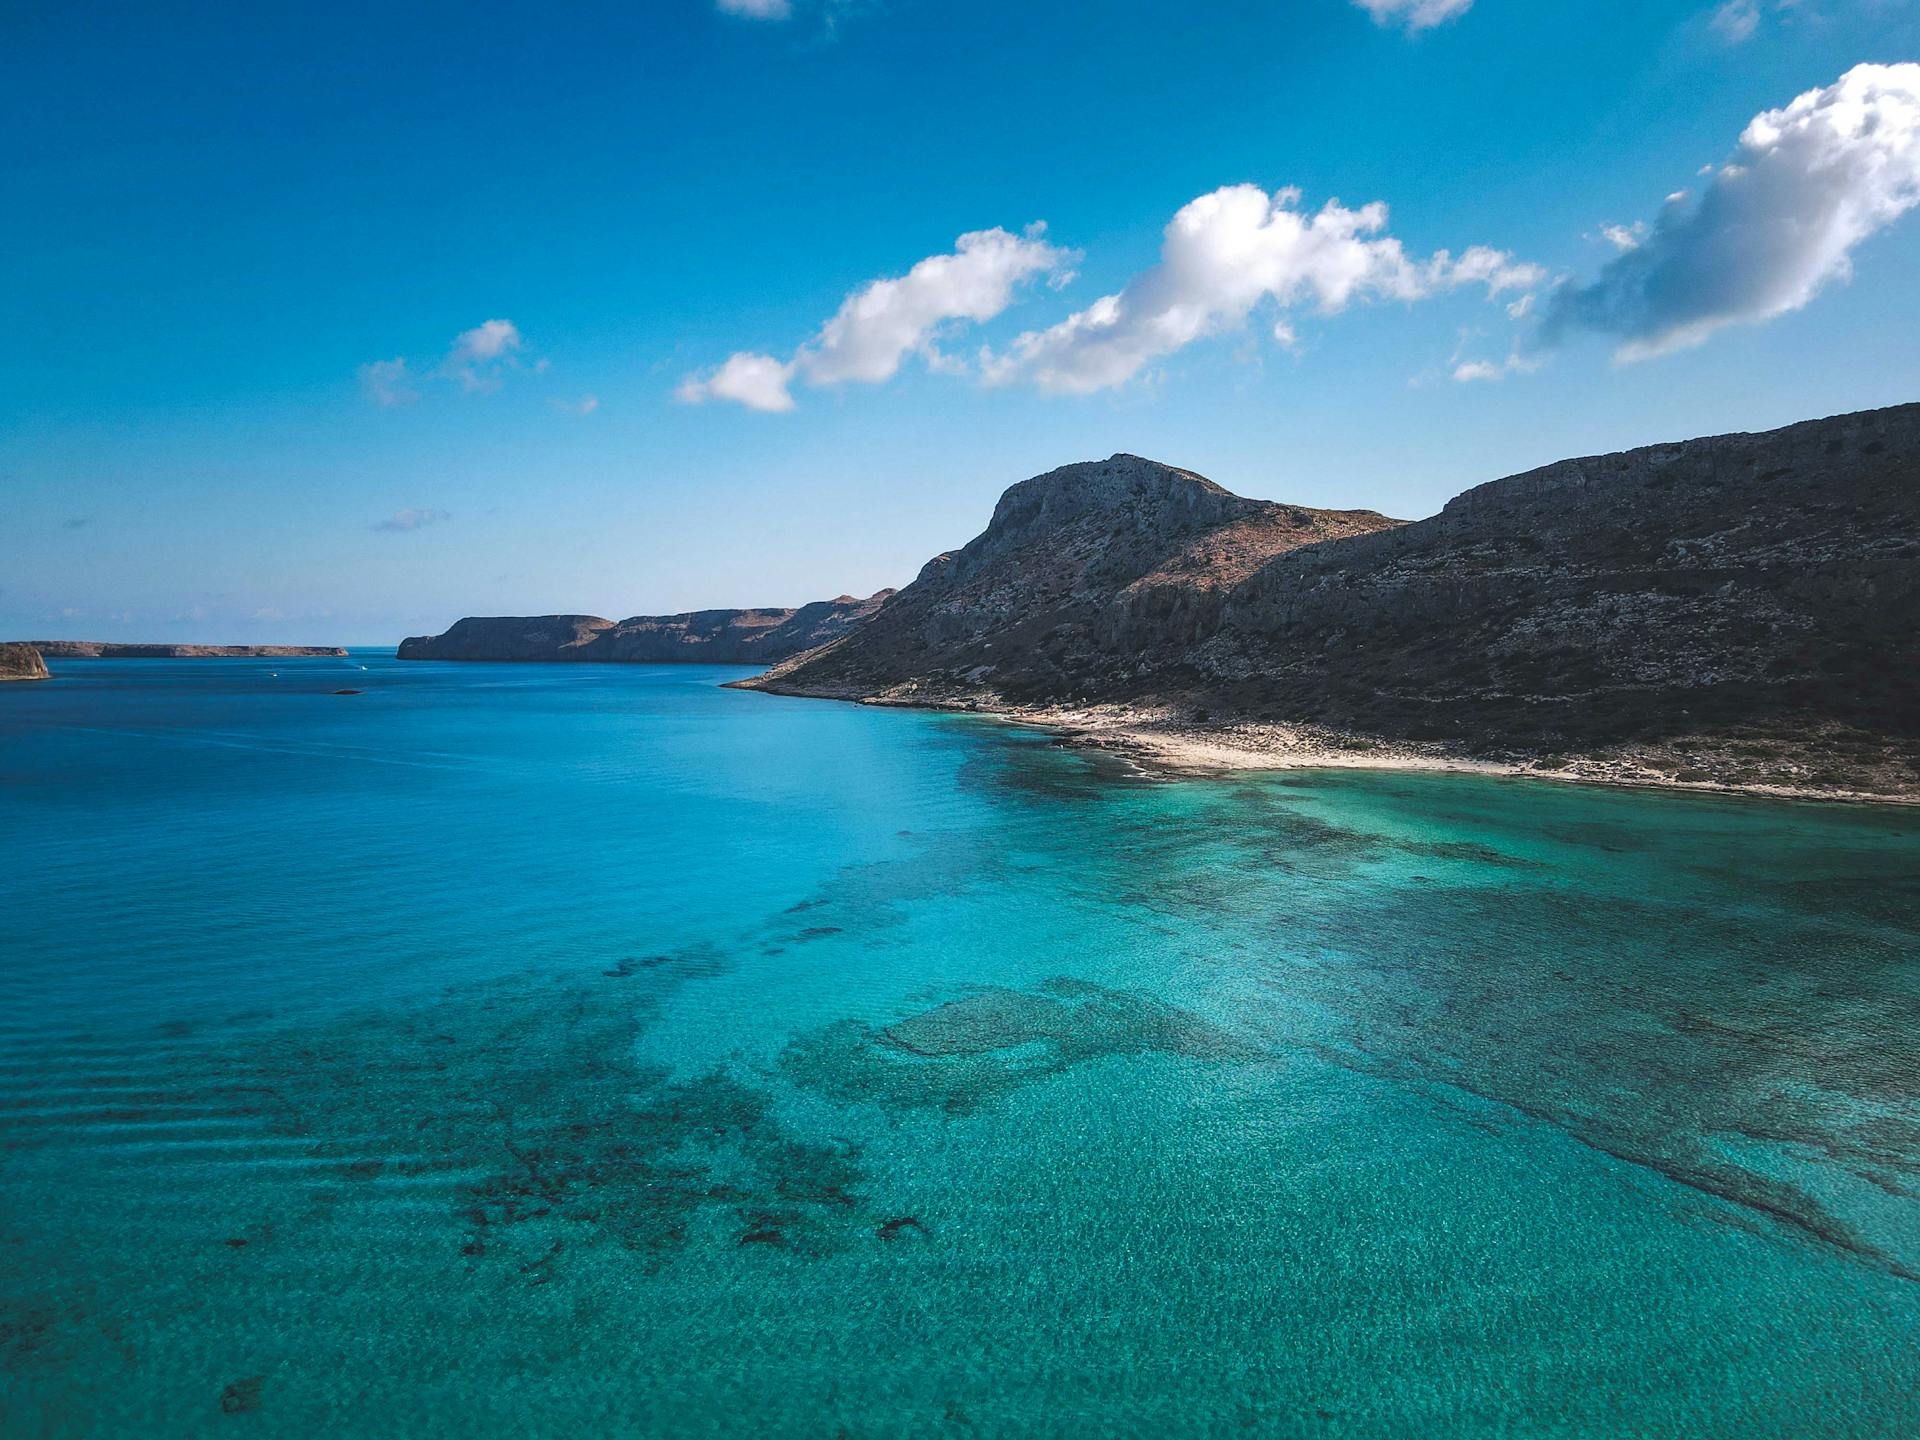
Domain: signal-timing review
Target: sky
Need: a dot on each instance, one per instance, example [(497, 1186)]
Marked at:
[(332, 324)]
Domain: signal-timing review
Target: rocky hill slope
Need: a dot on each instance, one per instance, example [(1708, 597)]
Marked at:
[(108, 650), (1090, 575), (711, 636), (21, 662), (1739, 610)]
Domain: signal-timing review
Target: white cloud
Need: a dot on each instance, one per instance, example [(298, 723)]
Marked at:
[(1414, 14), (585, 405), (388, 383), (1777, 222), (1624, 237), (1467, 372), (1223, 254), (411, 519), (878, 326), (756, 9), (758, 382), (477, 360), (478, 355)]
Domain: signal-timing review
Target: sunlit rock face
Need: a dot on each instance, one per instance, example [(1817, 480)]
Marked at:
[(21, 662)]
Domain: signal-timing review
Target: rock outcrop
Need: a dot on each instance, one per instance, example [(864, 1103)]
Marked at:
[(1741, 609), (711, 636), (108, 650), (21, 662)]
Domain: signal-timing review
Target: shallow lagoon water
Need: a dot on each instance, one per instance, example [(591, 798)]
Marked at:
[(591, 1050)]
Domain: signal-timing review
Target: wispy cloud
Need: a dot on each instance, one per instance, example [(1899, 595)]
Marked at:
[(1414, 15), (756, 9), (411, 519), (480, 355), (388, 383), (1226, 253), (477, 361), (585, 405), (884, 322), (1775, 224)]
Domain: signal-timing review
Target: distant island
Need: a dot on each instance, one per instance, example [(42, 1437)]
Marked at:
[(750, 637), (109, 650)]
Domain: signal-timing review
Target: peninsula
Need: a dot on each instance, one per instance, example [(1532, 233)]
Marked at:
[(731, 637), (1739, 611), (109, 650)]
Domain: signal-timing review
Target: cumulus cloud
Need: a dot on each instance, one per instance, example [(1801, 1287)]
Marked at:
[(411, 519), (1414, 14), (756, 9), (884, 322), (1776, 223), (1225, 253)]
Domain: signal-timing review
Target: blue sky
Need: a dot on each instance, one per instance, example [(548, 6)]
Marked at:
[(252, 253)]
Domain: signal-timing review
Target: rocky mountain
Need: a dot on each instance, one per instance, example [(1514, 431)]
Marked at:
[(1087, 576), (711, 636), (108, 650), (21, 662), (1740, 609)]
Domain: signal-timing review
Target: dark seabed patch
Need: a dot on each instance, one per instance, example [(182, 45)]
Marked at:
[(967, 1052)]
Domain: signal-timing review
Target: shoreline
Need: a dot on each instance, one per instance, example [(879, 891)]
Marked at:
[(1156, 744)]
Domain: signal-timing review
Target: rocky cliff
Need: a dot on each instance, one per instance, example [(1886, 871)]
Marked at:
[(21, 662), (712, 636), (107, 650), (1741, 609)]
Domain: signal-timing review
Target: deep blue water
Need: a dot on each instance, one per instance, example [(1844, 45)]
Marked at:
[(516, 1051)]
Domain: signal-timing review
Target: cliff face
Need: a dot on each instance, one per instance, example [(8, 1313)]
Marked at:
[(711, 636), (1088, 574), (1744, 607), (21, 662), (107, 650)]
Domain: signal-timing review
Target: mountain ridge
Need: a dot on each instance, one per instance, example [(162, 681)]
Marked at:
[(1736, 609)]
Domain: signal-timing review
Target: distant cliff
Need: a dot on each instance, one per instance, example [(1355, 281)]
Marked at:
[(107, 650), (1741, 609), (21, 662), (712, 636)]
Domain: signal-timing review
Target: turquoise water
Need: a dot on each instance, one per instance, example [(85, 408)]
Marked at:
[(585, 1051)]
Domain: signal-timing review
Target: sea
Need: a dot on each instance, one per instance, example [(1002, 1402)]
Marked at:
[(516, 1051)]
